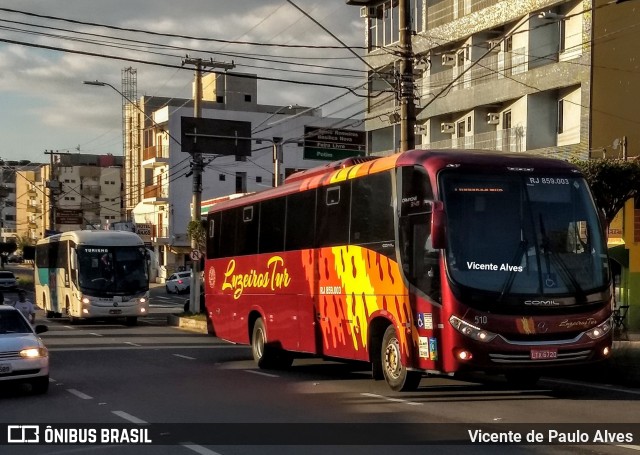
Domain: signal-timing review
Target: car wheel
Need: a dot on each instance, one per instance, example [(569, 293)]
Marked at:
[(168, 290), (40, 385)]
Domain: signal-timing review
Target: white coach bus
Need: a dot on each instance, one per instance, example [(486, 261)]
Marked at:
[(92, 274)]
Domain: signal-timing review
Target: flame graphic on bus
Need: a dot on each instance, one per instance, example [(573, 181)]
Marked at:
[(371, 286)]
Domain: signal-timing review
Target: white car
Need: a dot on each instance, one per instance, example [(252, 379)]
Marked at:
[(178, 282), (8, 281), (23, 355)]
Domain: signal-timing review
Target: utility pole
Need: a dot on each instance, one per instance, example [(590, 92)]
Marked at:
[(197, 163), (54, 190), (277, 159), (407, 101)]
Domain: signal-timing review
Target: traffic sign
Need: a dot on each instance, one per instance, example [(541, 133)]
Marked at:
[(332, 144), (195, 255)]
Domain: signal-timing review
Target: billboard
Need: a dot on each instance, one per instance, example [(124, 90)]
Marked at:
[(215, 136)]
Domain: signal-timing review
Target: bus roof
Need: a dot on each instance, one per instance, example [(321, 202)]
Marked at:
[(96, 237), (434, 160)]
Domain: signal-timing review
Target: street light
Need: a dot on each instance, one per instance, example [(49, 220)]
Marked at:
[(290, 106)]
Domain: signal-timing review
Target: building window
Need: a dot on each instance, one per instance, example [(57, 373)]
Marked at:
[(560, 116), (220, 99), (247, 98), (469, 124), (241, 182), (258, 179), (562, 25), (461, 126), (222, 177)]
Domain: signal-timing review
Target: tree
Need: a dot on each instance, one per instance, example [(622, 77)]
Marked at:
[(197, 232), (612, 182), (22, 241)]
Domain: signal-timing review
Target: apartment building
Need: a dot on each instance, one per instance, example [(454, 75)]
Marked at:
[(556, 78), (160, 185), (87, 194)]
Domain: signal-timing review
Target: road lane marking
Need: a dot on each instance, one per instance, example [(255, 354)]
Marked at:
[(96, 334), (184, 356), (628, 447), (262, 373), (142, 348), (79, 394), (198, 449), (130, 418), (132, 343), (394, 400)]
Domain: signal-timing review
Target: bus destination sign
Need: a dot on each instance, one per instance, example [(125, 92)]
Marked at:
[(331, 144)]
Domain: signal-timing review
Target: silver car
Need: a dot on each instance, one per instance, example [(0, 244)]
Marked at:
[(8, 281), (23, 355)]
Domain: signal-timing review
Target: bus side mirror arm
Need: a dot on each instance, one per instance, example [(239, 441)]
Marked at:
[(438, 226)]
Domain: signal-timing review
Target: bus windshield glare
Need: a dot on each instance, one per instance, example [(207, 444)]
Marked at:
[(119, 270), (523, 235)]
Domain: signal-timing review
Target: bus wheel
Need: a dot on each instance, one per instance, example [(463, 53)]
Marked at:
[(522, 379), (262, 354), (397, 376), (50, 314), (131, 321)]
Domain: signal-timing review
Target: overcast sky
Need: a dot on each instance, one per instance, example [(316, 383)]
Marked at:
[(45, 106)]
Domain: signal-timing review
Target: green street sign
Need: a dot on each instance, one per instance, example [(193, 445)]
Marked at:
[(316, 153)]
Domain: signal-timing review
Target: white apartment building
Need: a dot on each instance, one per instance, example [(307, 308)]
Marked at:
[(160, 194)]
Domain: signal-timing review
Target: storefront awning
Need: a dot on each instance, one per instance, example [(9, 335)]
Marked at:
[(620, 254)]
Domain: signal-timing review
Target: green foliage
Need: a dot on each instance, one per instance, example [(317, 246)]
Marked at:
[(612, 182), (7, 247), (197, 232)]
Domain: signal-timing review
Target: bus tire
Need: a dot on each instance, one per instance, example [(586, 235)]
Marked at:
[(263, 355), (395, 373), (131, 320), (50, 314)]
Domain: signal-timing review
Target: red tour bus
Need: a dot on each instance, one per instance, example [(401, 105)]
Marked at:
[(424, 261)]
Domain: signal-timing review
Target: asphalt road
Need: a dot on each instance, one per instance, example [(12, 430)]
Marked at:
[(200, 394)]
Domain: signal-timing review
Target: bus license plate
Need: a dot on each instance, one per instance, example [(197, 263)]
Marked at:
[(115, 311), (544, 354), (5, 368)]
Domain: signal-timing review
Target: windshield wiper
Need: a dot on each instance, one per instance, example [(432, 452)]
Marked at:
[(565, 272), (520, 251)]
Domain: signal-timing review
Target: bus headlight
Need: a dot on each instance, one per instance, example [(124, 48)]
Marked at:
[(142, 300), (600, 330), (471, 331), (86, 300)]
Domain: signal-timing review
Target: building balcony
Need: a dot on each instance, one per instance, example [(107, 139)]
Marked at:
[(155, 156), (155, 194), (507, 140), (90, 190), (34, 208), (90, 206)]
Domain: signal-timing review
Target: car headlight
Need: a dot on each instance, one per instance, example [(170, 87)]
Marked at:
[(600, 330), (471, 331), (32, 353)]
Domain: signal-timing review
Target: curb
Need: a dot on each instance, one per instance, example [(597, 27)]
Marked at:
[(187, 323)]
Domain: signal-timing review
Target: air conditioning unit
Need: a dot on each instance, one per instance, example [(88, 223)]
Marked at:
[(493, 118), (368, 11), (447, 128), (448, 59)]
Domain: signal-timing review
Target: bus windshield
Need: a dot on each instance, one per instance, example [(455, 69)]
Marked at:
[(116, 270), (521, 234)]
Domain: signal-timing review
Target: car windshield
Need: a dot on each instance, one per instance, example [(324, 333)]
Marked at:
[(13, 322), (523, 234), (116, 270), (7, 275)]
